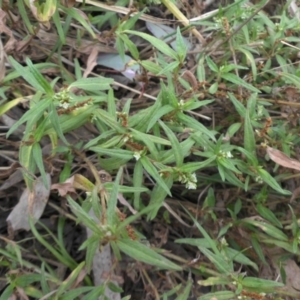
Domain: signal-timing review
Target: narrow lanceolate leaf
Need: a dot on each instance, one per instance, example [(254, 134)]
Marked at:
[(211, 64), (26, 75), (268, 215), (112, 203), (260, 284), (240, 108), (268, 229), (157, 43), (249, 138), (31, 115), (137, 183), (149, 167), (272, 182), (175, 144), (282, 159), (237, 80), (40, 78), (158, 195), (145, 254), (38, 158), (92, 84), (223, 295)]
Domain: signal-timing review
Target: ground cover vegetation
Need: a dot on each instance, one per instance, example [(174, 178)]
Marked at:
[(149, 150)]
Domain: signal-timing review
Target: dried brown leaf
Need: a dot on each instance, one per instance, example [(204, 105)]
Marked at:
[(103, 265), (123, 201), (64, 188), (91, 62), (296, 194), (86, 46), (31, 204), (2, 61), (4, 29), (13, 179), (282, 159)]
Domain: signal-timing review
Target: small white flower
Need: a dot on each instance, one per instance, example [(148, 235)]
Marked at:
[(64, 105), (228, 154), (259, 179), (223, 241), (191, 185), (193, 177), (137, 155), (108, 233)]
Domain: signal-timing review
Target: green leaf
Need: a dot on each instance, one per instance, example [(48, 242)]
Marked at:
[(83, 215), (250, 59), (238, 105), (149, 167), (186, 292), (151, 66), (66, 284), (162, 111), (137, 182), (213, 88), (32, 115), (54, 119), (39, 78), (72, 294), (176, 148), (28, 76), (237, 80), (218, 261), (169, 68), (223, 295), (119, 153), (249, 138), (7, 292), (91, 245), (94, 293), (92, 84), (194, 166), (181, 46), (24, 16), (258, 249), (192, 123), (268, 215), (268, 229), (211, 64), (272, 182), (260, 284), (38, 158), (157, 43), (113, 199), (143, 253), (74, 13), (158, 195), (130, 46)]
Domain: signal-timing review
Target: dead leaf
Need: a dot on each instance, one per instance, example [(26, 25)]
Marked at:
[(85, 47), (64, 188), (103, 265), (2, 61), (295, 195), (292, 272), (13, 179), (31, 204), (123, 201), (282, 159), (4, 29), (91, 62)]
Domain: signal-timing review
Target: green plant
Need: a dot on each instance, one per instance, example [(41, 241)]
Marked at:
[(208, 127)]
